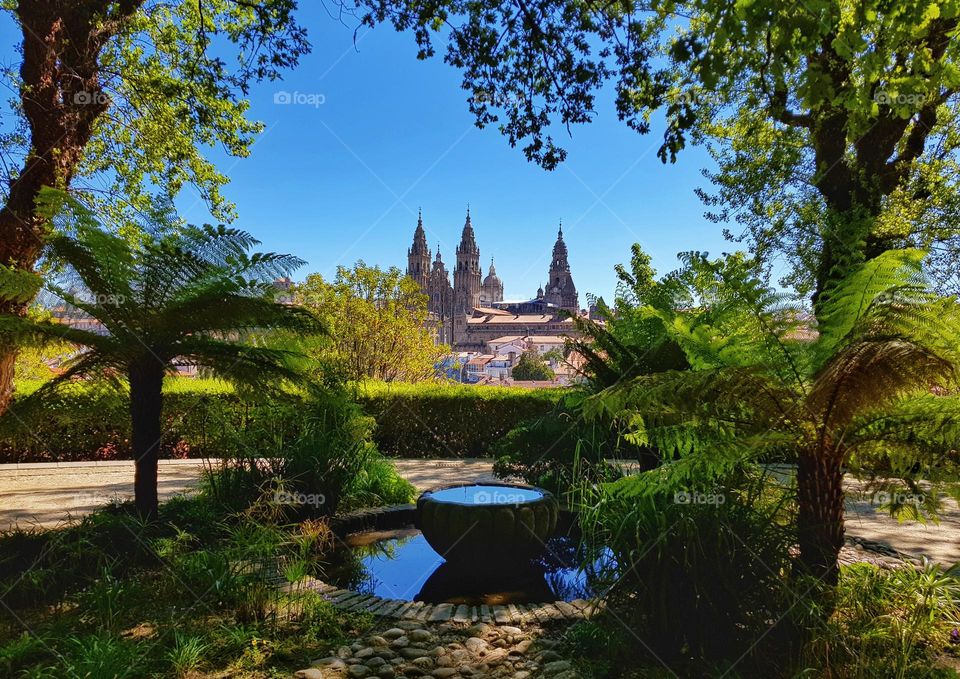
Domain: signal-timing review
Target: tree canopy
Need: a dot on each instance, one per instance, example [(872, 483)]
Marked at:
[(377, 319), (832, 122)]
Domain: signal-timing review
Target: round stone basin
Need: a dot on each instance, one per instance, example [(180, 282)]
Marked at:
[(487, 523)]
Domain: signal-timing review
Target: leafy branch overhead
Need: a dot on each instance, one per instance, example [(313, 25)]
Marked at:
[(830, 122)]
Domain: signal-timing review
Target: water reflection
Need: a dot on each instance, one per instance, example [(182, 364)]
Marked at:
[(399, 564)]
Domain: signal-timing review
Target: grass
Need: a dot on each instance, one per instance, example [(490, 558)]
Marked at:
[(194, 594)]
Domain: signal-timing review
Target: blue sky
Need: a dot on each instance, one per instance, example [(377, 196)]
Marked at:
[(342, 180)]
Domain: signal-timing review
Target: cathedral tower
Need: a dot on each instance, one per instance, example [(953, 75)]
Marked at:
[(441, 300), (418, 256), (560, 289), (466, 275)]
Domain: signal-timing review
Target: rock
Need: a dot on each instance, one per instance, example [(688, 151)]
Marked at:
[(364, 653), (311, 673), (330, 663), (344, 652), (438, 651), (413, 653), (386, 672), (377, 641), (478, 630), (358, 671), (356, 646), (475, 645), (400, 642), (510, 630), (423, 663), (375, 662), (443, 672), (408, 625), (445, 661), (522, 674), (522, 647), (556, 667), (549, 656), (393, 633), (420, 635)]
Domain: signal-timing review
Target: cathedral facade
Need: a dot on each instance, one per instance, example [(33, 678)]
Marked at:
[(471, 311)]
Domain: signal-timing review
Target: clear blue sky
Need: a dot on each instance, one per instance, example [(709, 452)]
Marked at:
[(342, 180)]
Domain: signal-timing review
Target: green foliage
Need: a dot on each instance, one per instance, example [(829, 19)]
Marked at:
[(447, 420), (531, 367), (377, 325), (760, 384), (699, 567), (307, 458), (631, 342), (196, 591), (210, 418), (889, 623), (560, 450), (833, 127), (173, 85)]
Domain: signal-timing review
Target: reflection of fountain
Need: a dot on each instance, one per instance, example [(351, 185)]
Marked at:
[(460, 583), (487, 523)]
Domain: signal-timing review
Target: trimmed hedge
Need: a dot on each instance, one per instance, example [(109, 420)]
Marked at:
[(441, 420), (208, 417)]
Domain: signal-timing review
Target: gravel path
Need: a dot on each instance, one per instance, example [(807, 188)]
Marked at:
[(46, 494)]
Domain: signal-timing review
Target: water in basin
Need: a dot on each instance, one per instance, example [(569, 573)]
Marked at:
[(480, 494)]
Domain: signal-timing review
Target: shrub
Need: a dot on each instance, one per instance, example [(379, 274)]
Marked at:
[(312, 454), (888, 623), (445, 420), (700, 567), (559, 450), (208, 418)]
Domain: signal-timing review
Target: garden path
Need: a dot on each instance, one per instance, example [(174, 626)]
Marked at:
[(45, 494)]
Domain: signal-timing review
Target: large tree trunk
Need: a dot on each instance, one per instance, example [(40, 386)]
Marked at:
[(820, 498), (146, 404), (62, 98)]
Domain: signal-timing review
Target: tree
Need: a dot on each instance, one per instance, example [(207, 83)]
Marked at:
[(758, 384), (378, 322), (126, 94), (833, 124), (531, 367), (191, 295)]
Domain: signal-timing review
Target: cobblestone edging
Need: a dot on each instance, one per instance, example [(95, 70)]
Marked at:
[(508, 614)]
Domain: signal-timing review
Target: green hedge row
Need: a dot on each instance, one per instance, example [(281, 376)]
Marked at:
[(206, 417), (439, 420)]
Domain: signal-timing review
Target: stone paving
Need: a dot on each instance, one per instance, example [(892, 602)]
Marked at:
[(447, 650)]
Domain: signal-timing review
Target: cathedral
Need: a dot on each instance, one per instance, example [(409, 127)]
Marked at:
[(472, 311)]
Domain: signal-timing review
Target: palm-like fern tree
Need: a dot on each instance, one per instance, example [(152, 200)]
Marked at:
[(188, 295), (760, 380)]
